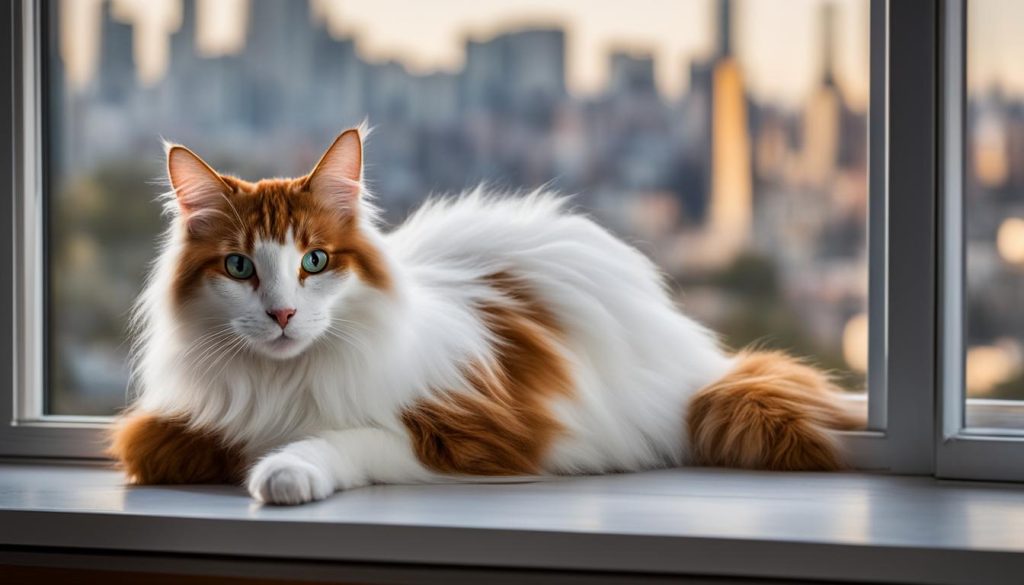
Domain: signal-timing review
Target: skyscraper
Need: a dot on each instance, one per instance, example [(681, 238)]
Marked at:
[(522, 71), (631, 73), (725, 9), (117, 70), (730, 211)]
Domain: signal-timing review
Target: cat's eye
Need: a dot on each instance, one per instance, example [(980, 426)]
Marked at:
[(314, 261), (239, 266)]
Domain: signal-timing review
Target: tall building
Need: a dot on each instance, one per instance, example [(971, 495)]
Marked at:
[(481, 82), (340, 81), (117, 69), (730, 212), (724, 21), (280, 59), (536, 64), (631, 74), (182, 82), (522, 71)]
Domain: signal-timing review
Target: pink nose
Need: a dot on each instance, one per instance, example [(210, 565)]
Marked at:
[(282, 316)]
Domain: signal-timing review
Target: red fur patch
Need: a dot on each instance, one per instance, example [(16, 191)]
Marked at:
[(156, 450), (502, 427), (770, 412)]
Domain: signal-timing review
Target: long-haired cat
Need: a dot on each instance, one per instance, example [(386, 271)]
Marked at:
[(287, 342)]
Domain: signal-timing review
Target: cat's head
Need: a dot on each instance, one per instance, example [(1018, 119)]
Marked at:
[(263, 265)]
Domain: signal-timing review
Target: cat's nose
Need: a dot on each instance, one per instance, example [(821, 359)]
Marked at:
[(282, 316)]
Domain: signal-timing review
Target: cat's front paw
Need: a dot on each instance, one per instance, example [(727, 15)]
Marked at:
[(283, 478)]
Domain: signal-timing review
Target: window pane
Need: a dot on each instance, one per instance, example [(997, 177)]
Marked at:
[(728, 141), (994, 207)]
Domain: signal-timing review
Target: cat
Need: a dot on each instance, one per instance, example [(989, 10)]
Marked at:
[(285, 341)]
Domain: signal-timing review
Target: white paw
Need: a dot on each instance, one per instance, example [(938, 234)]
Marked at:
[(283, 478)]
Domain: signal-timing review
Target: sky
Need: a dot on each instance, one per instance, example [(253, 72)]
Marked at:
[(995, 45)]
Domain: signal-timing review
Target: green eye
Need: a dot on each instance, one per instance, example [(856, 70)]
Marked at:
[(314, 261), (239, 266)]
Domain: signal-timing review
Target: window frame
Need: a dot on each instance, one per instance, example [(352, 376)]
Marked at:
[(904, 235), (26, 432), (961, 452), (901, 241)]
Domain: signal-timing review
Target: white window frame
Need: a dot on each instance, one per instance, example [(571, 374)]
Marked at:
[(903, 242), (962, 452), (27, 432)]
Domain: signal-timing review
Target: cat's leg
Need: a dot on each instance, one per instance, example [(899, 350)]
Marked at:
[(155, 449), (314, 468)]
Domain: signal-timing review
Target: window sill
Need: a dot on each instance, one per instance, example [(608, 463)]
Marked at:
[(849, 527)]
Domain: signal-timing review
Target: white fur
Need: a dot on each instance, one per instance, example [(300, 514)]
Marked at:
[(324, 415)]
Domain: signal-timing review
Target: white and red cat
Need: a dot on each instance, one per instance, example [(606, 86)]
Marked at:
[(287, 342)]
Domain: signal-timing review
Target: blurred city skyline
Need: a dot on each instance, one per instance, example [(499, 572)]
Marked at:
[(430, 37)]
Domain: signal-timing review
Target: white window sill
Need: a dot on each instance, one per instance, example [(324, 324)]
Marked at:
[(849, 527)]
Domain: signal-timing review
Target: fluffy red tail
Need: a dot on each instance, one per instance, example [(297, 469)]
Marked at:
[(770, 412)]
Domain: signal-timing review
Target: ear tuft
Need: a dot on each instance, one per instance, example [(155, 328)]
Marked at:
[(196, 186), (338, 177)]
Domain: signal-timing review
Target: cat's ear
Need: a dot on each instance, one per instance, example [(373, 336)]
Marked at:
[(338, 177), (196, 185)]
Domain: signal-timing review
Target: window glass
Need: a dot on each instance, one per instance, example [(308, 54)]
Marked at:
[(994, 208), (726, 139)]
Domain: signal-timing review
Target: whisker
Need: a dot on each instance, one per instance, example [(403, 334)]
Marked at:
[(207, 340), (220, 355), (243, 346)]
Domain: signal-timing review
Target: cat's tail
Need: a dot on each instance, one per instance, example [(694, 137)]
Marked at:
[(771, 411)]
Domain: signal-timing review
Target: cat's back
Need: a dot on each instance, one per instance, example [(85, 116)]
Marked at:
[(531, 235), (611, 300), (478, 222)]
